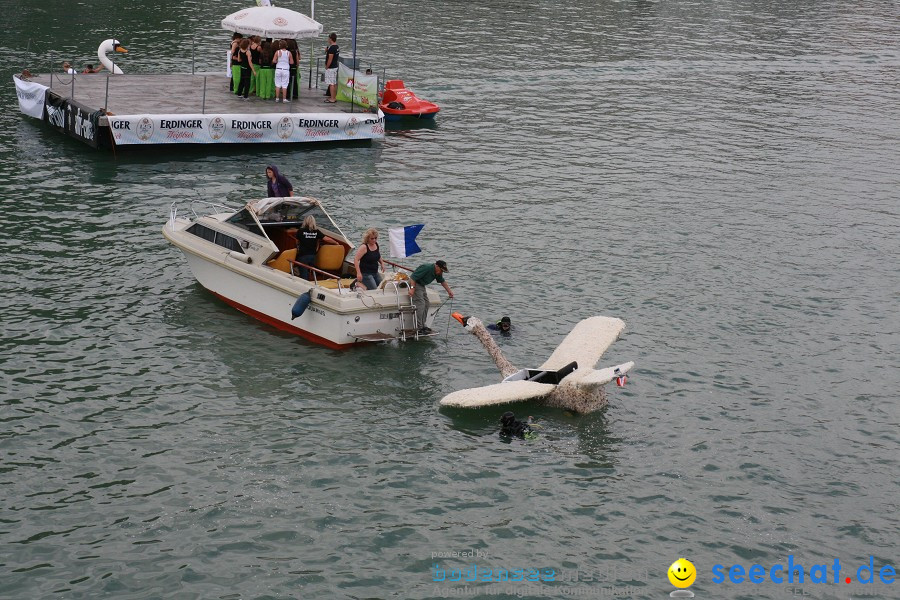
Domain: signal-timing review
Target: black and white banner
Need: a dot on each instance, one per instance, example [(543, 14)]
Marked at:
[(245, 128), (31, 97), (73, 119)]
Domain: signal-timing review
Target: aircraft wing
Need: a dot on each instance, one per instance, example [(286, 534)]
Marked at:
[(604, 376), (586, 343), (499, 393)]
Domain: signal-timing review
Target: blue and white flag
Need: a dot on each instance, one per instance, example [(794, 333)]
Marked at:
[(403, 240)]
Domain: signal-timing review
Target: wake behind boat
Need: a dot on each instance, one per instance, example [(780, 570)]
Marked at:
[(247, 257)]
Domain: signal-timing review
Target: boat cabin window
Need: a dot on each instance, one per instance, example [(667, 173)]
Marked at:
[(245, 220), (216, 237)]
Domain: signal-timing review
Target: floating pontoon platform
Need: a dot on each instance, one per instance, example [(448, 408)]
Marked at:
[(104, 110)]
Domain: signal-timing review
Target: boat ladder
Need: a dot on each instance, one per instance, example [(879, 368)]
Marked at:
[(406, 311)]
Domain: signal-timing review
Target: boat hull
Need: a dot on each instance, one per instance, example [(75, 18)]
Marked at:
[(270, 301), (400, 116)]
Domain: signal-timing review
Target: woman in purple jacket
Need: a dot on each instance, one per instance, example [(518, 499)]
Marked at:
[(278, 185)]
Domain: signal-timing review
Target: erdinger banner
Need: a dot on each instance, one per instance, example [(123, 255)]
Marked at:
[(31, 97), (72, 118), (365, 87), (244, 129)]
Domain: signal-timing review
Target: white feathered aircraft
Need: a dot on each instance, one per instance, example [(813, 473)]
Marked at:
[(567, 379)]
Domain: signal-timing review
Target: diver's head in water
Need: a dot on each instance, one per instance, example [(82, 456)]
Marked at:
[(510, 426)]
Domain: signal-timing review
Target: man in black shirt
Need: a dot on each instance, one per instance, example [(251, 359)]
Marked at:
[(332, 55)]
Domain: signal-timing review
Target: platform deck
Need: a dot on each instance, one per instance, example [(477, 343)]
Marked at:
[(143, 110), (178, 94)]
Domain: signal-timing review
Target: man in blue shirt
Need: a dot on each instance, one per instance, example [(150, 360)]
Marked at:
[(421, 277)]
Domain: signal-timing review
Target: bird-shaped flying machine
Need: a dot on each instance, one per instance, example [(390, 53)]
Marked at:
[(567, 379)]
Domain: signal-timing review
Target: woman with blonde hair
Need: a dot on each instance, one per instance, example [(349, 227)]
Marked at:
[(368, 259), (309, 236)]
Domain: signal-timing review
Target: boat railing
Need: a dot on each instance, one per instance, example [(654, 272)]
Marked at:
[(315, 273), (212, 207), (397, 266)]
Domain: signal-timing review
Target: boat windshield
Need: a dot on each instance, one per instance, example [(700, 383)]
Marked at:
[(292, 212), (277, 213), (244, 219)]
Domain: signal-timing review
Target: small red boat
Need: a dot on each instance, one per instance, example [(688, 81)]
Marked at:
[(397, 103)]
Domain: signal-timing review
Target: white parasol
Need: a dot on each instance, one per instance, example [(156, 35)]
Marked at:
[(272, 22)]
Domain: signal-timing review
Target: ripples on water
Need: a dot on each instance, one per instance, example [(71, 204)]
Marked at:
[(721, 176)]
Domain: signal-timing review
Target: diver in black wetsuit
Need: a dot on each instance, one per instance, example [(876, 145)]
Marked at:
[(511, 427)]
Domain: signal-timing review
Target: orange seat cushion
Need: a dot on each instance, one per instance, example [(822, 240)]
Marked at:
[(283, 261), (330, 257)]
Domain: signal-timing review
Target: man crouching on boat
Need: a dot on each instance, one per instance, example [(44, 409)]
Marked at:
[(421, 277)]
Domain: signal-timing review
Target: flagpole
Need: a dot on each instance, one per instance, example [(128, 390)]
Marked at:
[(355, 5), (312, 15)]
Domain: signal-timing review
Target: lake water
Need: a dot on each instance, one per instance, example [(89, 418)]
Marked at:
[(723, 176)]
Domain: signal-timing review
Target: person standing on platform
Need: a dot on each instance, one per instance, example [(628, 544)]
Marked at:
[(332, 56), (245, 59), (294, 83), (234, 67), (277, 185), (255, 55), (421, 277), (283, 61), (368, 261), (265, 81)]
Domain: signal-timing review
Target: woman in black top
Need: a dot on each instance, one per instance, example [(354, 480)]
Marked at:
[(309, 236), (294, 85), (235, 64), (255, 56), (247, 68), (368, 260), (265, 81)]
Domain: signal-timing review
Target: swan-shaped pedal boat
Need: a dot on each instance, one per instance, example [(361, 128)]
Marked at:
[(107, 46), (567, 379)]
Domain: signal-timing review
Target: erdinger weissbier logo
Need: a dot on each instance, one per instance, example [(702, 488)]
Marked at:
[(285, 128), (145, 129), (280, 21), (216, 128), (682, 574), (352, 126)]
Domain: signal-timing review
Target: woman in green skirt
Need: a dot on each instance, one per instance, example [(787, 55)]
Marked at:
[(255, 56), (235, 62), (265, 80)]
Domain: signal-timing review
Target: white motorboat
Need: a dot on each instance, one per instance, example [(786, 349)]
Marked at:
[(247, 257)]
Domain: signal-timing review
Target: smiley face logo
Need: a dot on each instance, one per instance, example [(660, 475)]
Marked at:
[(682, 573)]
